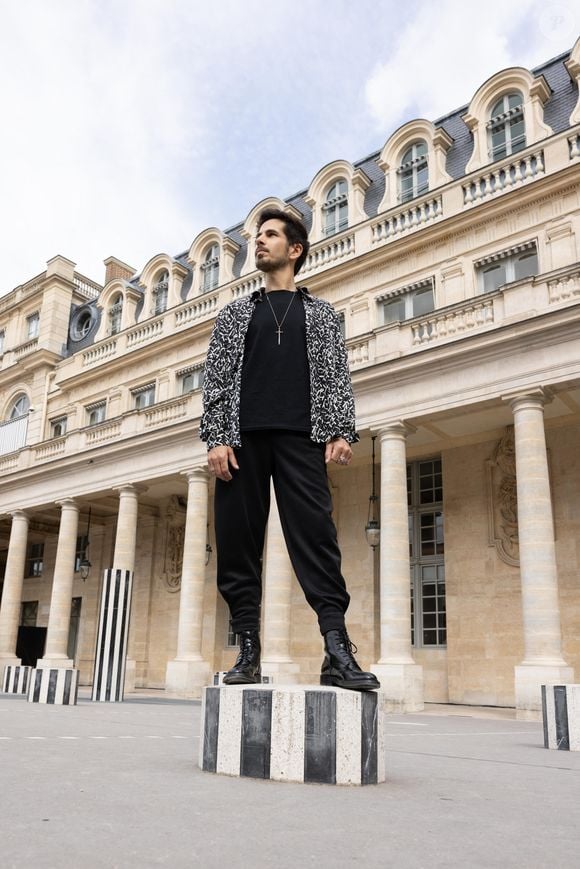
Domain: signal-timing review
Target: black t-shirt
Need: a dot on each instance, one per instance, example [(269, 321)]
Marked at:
[(275, 376)]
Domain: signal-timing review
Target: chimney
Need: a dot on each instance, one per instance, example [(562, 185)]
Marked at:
[(116, 268)]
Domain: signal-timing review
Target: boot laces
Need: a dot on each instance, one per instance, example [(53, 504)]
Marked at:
[(245, 653)]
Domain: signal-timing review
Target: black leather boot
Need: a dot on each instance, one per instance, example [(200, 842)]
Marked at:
[(246, 670), (339, 666)]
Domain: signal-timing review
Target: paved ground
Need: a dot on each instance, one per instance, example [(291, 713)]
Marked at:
[(105, 785)]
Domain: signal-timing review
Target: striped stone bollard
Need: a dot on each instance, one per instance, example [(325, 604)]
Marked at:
[(58, 686), (561, 716), (112, 634), (296, 733), (218, 678), (16, 679)]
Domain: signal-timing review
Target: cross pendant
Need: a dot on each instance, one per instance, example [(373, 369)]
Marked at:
[(278, 332)]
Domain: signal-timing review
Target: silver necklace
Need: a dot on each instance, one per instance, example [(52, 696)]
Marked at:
[(280, 323)]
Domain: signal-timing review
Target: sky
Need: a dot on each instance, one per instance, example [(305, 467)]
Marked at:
[(129, 126)]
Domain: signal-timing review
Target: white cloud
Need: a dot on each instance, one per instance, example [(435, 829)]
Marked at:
[(450, 48)]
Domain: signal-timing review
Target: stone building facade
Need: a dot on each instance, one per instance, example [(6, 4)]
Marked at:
[(453, 257)]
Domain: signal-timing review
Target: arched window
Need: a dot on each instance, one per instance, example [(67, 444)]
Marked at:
[(210, 269), (413, 172), (19, 407), (160, 292), (116, 314), (506, 127), (335, 208)]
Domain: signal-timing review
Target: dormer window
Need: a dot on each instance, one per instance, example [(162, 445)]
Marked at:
[(210, 269), (413, 172), (2, 341), (32, 326), (161, 292), (506, 127), (335, 208), (116, 314), (19, 407)]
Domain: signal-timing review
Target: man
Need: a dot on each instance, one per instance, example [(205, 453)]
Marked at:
[(278, 405)]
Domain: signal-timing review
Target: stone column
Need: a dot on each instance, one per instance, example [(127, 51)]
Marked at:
[(55, 653), (12, 593), (401, 678), (278, 575), (124, 556), (543, 662), (189, 672)]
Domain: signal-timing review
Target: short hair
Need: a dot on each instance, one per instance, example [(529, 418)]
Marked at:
[(294, 230)]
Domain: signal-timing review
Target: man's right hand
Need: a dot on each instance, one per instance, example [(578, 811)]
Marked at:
[(219, 460)]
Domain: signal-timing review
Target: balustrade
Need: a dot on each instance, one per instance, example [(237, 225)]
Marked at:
[(329, 252), (500, 179), (147, 332), (411, 217), (564, 287), (450, 323), (100, 352)]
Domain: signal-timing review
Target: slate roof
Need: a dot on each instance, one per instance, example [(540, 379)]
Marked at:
[(557, 112)]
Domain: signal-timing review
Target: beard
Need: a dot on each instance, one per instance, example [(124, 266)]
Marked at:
[(271, 264)]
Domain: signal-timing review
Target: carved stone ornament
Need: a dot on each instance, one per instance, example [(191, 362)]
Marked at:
[(174, 540), (503, 499)]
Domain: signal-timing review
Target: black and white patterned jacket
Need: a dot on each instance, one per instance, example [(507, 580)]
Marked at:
[(331, 397)]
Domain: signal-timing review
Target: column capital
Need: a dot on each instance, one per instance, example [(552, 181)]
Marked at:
[(196, 474), (19, 514), (130, 489), (535, 398), (67, 504), (397, 429)]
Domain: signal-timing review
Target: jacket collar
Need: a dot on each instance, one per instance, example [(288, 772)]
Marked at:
[(259, 295)]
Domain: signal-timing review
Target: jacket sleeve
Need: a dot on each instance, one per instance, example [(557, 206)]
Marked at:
[(344, 410), (217, 383)]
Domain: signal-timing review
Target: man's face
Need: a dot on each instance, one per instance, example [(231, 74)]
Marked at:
[(273, 250)]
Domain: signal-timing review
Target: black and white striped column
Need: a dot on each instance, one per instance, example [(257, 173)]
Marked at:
[(561, 716), (16, 679), (54, 685), (293, 733), (112, 633), (218, 678)]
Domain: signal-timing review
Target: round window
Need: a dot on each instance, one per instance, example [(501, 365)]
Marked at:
[(82, 324)]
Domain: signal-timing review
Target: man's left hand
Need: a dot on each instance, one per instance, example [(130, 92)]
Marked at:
[(338, 451)]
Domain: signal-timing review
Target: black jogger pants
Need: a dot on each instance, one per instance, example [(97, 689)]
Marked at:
[(297, 467)]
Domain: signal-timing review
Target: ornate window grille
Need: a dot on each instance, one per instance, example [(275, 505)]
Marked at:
[(210, 269), (116, 315), (506, 127), (413, 172), (335, 208)]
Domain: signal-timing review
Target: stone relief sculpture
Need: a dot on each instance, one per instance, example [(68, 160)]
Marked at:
[(174, 539), (503, 499)]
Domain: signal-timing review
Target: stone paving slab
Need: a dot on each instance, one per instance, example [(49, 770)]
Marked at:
[(101, 786)]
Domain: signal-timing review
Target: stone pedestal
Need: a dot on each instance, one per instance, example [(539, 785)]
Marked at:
[(58, 686), (528, 679), (16, 679), (218, 678), (401, 687), (561, 714), (296, 733)]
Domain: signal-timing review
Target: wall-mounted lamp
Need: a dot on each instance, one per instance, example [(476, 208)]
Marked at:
[(85, 564), (373, 528)]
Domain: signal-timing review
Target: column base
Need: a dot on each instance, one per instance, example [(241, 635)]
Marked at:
[(56, 685), (283, 672), (187, 678), (55, 664), (529, 679), (401, 687), (130, 676)]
